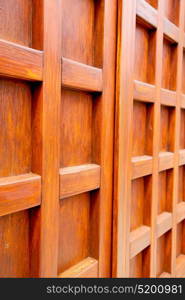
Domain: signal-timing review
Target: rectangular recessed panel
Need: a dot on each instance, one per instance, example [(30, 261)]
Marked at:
[(15, 123), (165, 198), (80, 76), (141, 202), (145, 43), (181, 186), (164, 246), (76, 128), (16, 21), (180, 266), (74, 231), (167, 129), (140, 264), (183, 77), (142, 129), (182, 129), (19, 193), (78, 46), (169, 73), (20, 62), (180, 239), (171, 9), (15, 245)]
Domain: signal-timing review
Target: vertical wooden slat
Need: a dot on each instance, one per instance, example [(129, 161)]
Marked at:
[(177, 137), (103, 130), (156, 141), (122, 193), (46, 118)]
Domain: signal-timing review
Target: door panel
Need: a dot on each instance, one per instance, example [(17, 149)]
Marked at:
[(149, 140), (57, 68)]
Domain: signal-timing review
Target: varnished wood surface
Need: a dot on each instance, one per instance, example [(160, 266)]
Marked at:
[(18, 193), (149, 140), (79, 179), (57, 67), (20, 62)]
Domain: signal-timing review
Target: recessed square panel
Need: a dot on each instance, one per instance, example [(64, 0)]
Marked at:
[(145, 50), (169, 76), (167, 128), (171, 9), (164, 251), (141, 202), (142, 129)]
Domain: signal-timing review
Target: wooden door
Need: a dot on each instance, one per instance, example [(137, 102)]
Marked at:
[(57, 67), (149, 211)]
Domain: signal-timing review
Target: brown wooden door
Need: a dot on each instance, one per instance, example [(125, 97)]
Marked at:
[(57, 62), (149, 213)]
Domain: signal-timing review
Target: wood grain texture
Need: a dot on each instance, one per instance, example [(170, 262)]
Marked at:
[(80, 76), (146, 13), (79, 179), (46, 140), (141, 166), (16, 21), (164, 223), (20, 62), (168, 98), (149, 138), (122, 156), (171, 31), (87, 118), (75, 219), (144, 91), (18, 193), (139, 240), (88, 268), (15, 139)]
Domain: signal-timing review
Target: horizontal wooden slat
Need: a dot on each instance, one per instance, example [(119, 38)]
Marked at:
[(183, 101), (168, 97), (146, 13), (20, 62), (166, 160), (141, 166), (139, 240), (180, 212), (164, 223), (181, 157), (87, 268), (19, 193), (171, 31), (144, 92), (79, 179), (79, 76), (180, 267), (165, 275)]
